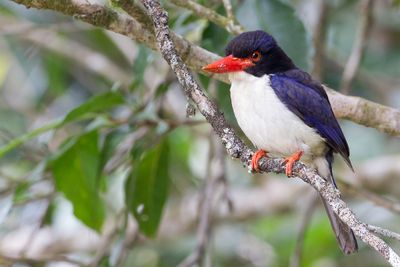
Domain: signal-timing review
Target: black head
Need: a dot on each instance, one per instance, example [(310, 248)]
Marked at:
[(262, 49)]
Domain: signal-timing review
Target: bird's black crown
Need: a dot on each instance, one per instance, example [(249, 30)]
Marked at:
[(273, 58)]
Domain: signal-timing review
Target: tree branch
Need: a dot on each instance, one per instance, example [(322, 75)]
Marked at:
[(211, 15), (318, 39), (295, 260), (384, 232), (6, 259), (365, 112), (228, 8), (350, 70), (236, 148), (135, 11), (371, 196), (214, 174), (356, 109)]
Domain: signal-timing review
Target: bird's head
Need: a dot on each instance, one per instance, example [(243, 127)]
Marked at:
[(255, 52)]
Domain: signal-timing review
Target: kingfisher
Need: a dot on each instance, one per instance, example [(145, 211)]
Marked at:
[(283, 111)]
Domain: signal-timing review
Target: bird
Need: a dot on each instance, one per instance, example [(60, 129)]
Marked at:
[(283, 111)]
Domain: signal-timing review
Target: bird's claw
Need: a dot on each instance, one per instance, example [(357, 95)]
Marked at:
[(289, 161), (256, 157)]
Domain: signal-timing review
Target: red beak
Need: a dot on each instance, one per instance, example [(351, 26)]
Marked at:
[(229, 64)]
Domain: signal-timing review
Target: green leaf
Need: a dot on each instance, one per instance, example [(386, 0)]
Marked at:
[(146, 189), (75, 171), (95, 104)]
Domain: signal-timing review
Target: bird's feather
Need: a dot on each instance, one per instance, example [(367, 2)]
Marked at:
[(308, 100)]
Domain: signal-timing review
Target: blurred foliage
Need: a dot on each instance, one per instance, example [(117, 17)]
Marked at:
[(81, 148), (146, 188)]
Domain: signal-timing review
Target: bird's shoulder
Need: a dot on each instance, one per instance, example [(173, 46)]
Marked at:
[(303, 95), (295, 77)]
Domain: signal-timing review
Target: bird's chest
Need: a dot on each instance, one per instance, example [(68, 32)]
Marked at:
[(267, 122)]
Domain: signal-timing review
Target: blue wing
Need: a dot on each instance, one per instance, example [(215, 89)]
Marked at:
[(308, 100)]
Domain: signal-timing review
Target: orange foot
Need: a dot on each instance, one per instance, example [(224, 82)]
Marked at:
[(290, 161), (256, 157)]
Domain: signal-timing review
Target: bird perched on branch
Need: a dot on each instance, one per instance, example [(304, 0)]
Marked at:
[(283, 111)]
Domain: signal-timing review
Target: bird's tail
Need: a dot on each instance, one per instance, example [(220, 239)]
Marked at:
[(343, 233)]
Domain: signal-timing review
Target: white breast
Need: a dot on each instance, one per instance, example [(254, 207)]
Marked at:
[(267, 122)]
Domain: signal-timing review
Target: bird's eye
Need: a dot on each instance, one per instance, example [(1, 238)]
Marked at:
[(256, 56)]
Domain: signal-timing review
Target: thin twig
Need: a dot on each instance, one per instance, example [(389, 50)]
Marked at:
[(235, 146), (204, 12), (371, 196), (103, 248), (350, 70), (46, 196), (295, 260), (136, 11), (229, 10), (38, 225), (383, 232), (129, 239), (318, 39), (214, 174), (7, 259)]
